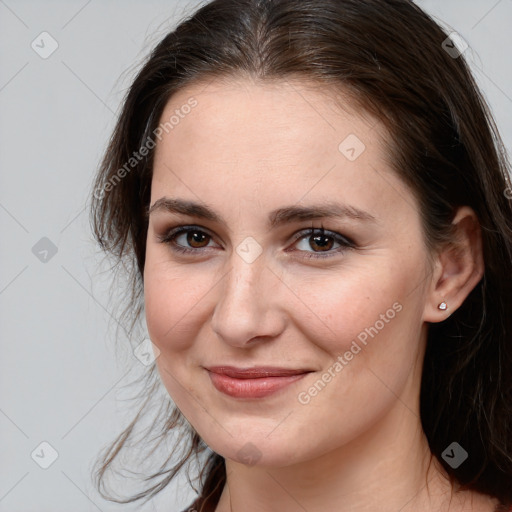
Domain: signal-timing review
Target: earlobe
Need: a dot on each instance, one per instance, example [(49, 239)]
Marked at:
[(458, 269)]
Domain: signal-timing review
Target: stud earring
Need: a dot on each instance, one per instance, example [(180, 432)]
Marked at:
[(442, 305)]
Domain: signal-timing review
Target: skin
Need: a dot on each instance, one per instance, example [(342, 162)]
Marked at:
[(245, 150)]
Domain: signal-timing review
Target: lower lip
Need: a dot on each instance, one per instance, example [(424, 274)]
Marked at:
[(251, 388)]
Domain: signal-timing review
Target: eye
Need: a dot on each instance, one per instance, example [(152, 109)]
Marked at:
[(322, 242), (193, 239), (186, 239)]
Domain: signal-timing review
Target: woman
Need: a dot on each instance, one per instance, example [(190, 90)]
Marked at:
[(315, 204)]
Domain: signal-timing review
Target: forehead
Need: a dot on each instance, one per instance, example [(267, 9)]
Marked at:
[(241, 113), (281, 140)]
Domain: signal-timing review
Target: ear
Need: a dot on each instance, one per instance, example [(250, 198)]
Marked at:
[(458, 268)]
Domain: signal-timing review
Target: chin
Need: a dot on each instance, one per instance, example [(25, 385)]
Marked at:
[(258, 449)]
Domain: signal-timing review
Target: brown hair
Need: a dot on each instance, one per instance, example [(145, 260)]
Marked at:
[(389, 56)]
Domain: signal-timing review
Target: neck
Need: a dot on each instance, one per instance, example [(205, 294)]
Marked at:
[(388, 468)]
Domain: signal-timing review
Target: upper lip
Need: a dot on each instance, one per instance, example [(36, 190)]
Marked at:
[(256, 371)]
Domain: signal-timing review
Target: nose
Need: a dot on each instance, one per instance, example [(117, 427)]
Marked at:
[(248, 307)]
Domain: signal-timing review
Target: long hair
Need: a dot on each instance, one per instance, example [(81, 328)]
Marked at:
[(392, 60)]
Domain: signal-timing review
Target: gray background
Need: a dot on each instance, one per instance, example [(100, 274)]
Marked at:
[(60, 374)]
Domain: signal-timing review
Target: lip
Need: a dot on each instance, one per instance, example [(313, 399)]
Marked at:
[(256, 382)]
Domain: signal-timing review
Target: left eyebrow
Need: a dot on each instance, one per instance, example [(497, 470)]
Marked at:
[(276, 217), (321, 211)]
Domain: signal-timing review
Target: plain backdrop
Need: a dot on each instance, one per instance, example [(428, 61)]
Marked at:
[(60, 374)]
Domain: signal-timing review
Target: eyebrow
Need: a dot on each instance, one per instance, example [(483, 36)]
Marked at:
[(276, 217)]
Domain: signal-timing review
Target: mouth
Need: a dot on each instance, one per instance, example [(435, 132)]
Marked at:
[(256, 382)]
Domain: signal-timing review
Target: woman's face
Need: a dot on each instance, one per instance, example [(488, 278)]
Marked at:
[(280, 343)]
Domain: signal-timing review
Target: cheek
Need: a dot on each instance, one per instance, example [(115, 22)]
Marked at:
[(338, 308), (171, 299), (173, 317)]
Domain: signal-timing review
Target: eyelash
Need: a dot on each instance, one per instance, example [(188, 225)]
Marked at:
[(345, 243)]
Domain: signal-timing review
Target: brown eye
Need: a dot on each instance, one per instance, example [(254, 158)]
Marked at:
[(321, 242), (187, 239), (196, 239)]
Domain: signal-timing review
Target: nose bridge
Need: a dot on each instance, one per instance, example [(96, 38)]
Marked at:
[(242, 280), (243, 310), (244, 286)]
